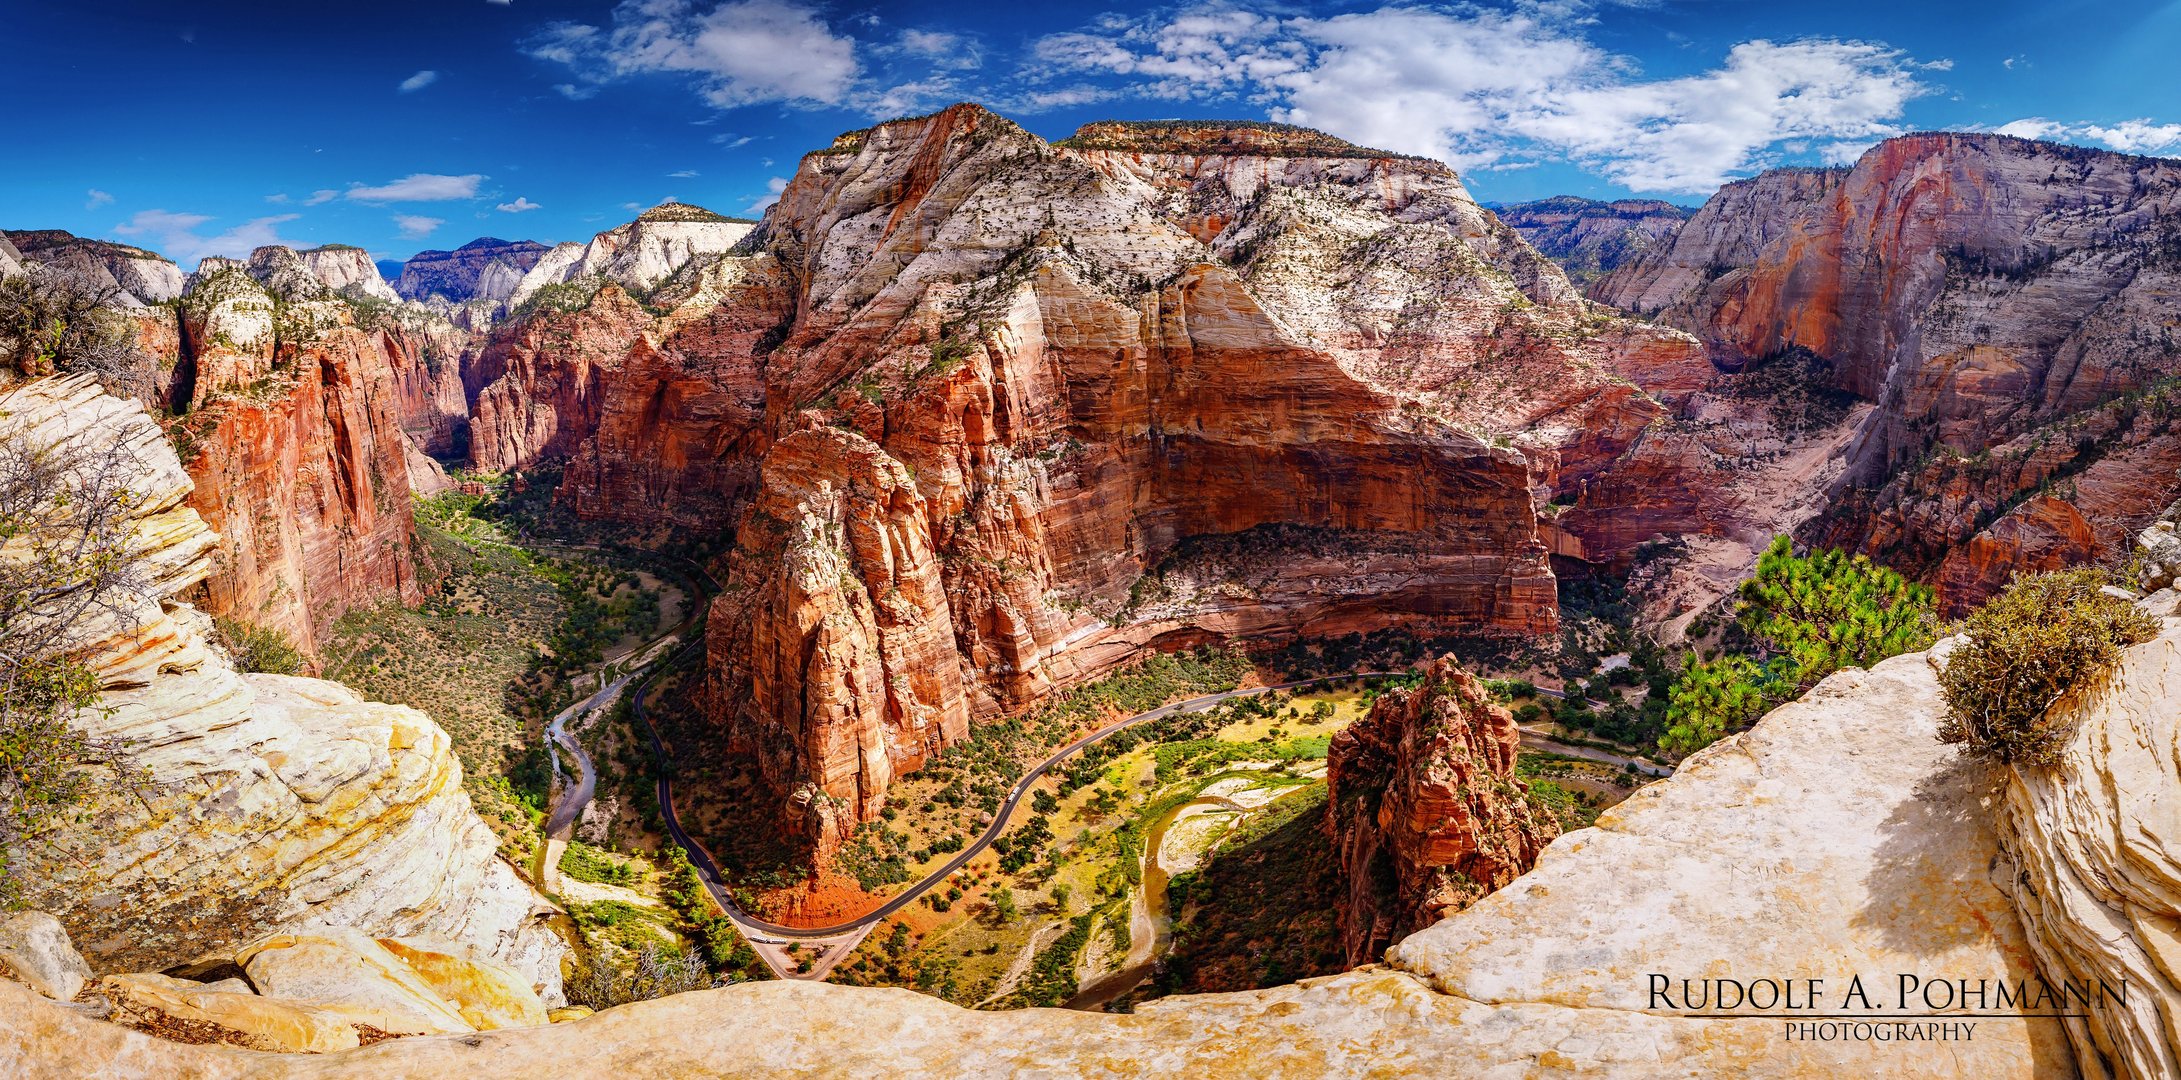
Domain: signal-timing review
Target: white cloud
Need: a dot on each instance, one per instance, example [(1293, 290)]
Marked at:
[(2138, 136), (773, 188), (731, 141), (418, 81), (175, 235), (683, 174), (576, 93), (279, 197), (416, 226), (1479, 88), (418, 187), (940, 49), (94, 198), (321, 197), (520, 205), (742, 53)]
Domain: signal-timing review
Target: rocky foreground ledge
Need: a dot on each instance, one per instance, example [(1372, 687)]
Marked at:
[(1836, 839)]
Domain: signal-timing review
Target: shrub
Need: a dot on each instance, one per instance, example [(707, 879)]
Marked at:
[(2027, 647), (259, 648)]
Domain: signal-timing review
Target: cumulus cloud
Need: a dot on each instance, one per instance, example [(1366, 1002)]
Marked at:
[(741, 53), (418, 81), (773, 188), (418, 187), (94, 198), (520, 205), (1481, 89), (416, 226), (175, 235), (2138, 136)]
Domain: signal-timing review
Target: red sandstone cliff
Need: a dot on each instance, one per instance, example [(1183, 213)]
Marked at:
[(1424, 811), (2007, 306), (996, 416)]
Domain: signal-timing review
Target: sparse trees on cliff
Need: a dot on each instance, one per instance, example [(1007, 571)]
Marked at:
[(53, 319), (68, 570), (2027, 648), (1810, 615)]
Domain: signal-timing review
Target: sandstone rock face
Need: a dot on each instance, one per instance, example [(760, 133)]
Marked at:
[(352, 976), (276, 802), (1589, 238), (34, 945), (142, 277), (487, 268), (308, 481), (2090, 850), (1424, 810), (1772, 854), (1148, 386), (348, 271), (273, 1024), (636, 256), (1991, 295)]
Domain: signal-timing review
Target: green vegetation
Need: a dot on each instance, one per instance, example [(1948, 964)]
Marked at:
[(1260, 910), (1808, 616), (585, 863), (2027, 648), (258, 648), (1051, 980), (67, 519), (716, 936)]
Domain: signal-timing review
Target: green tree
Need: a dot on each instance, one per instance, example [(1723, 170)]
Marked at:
[(70, 576), (1809, 616), (1003, 905)]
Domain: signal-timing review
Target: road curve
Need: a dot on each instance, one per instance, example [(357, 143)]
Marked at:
[(708, 870)]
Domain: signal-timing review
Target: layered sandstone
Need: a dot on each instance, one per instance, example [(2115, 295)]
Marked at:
[(1771, 854), (1424, 810), (2003, 302), (637, 256), (1590, 238), (1148, 386), (2093, 866), (273, 803), (487, 268), (137, 276)]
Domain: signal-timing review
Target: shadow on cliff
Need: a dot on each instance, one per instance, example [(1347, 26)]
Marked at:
[(1931, 887)]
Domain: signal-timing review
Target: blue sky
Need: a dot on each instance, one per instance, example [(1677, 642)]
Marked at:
[(208, 128)]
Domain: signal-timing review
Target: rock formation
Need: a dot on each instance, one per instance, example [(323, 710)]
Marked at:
[(1772, 854), (637, 256), (1589, 238), (2094, 873), (1149, 385), (141, 277), (2004, 303), (1424, 810), (487, 268), (274, 803)]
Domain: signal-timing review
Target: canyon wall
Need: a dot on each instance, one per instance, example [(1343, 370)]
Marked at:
[(304, 422), (268, 802), (1424, 810), (1589, 238), (2006, 306), (1771, 855)]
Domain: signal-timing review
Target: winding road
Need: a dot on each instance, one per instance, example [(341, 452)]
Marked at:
[(708, 870)]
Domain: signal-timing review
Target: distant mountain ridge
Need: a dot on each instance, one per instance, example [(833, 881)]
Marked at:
[(1589, 238)]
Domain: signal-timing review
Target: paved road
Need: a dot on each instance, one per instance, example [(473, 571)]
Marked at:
[(708, 870), (572, 801)]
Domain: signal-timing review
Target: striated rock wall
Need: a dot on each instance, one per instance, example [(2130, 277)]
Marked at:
[(2091, 862), (273, 802), (1148, 386), (1589, 238), (308, 479), (1772, 854), (2004, 303), (1424, 810), (637, 256), (487, 268), (142, 277)]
